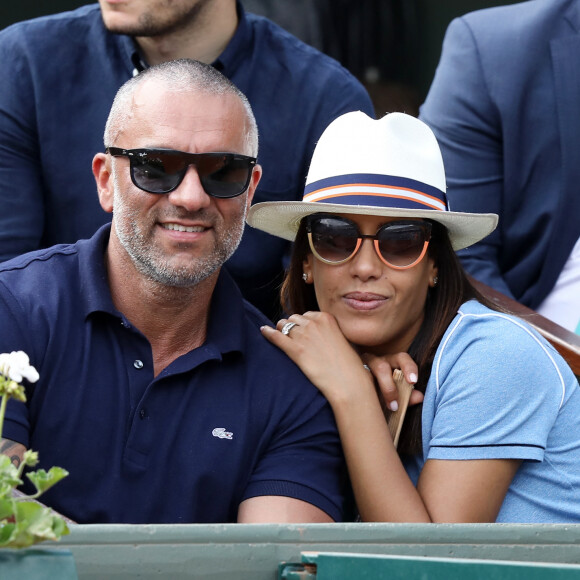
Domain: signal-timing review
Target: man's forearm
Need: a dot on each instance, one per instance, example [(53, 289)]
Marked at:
[(13, 450)]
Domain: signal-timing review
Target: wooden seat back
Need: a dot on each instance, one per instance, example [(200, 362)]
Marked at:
[(565, 342)]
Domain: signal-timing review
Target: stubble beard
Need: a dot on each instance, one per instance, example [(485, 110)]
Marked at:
[(138, 241), (150, 25)]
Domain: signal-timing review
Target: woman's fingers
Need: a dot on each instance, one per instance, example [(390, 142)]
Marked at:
[(403, 361), (416, 398), (383, 373), (316, 344), (382, 368)]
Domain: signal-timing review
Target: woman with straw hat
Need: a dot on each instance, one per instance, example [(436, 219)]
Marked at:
[(374, 279)]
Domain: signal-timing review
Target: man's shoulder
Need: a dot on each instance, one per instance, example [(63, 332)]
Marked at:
[(30, 276), (83, 17), (259, 347), (44, 288), (261, 352), (522, 20), (289, 51), (63, 268), (38, 259), (53, 45)]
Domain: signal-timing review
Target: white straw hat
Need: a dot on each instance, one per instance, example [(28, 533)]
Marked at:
[(389, 167)]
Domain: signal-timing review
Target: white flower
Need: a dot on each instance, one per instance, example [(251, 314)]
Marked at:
[(16, 366)]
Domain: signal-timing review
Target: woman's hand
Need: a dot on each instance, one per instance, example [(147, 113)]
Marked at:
[(317, 345), (382, 368), (319, 348)]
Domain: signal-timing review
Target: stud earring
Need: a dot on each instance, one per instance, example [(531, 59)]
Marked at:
[(305, 277), (435, 280)]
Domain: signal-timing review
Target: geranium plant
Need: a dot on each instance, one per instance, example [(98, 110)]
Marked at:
[(23, 520)]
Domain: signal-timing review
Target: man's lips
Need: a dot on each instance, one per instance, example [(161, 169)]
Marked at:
[(183, 228), (184, 232), (364, 300)]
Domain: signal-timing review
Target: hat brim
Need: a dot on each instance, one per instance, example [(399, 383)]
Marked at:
[(282, 219)]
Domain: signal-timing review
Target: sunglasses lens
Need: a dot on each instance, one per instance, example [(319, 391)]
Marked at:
[(224, 175), (158, 173), (333, 239), (221, 174), (401, 244)]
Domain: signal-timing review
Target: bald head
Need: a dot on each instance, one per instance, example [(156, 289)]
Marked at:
[(179, 76)]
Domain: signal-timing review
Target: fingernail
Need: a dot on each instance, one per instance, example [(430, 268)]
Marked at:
[(393, 406), (413, 377)]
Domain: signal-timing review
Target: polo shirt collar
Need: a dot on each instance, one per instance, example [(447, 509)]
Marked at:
[(96, 294), (134, 60), (225, 331)]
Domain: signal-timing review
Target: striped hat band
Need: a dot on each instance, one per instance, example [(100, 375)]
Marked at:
[(372, 189)]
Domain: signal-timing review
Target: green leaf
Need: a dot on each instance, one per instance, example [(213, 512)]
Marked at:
[(7, 508), (8, 477), (34, 523), (43, 480), (6, 534)]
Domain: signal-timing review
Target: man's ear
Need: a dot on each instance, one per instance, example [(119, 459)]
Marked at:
[(254, 180), (103, 172)]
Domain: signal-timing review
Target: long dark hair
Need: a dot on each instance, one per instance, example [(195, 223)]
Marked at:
[(443, 302)]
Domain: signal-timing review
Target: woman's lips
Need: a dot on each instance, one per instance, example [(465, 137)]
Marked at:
[(364, 300)]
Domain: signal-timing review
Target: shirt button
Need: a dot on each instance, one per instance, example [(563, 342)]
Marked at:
[(138, 364), (142, 413)]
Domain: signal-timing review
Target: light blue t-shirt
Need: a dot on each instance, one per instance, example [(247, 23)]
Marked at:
[(499, 390)]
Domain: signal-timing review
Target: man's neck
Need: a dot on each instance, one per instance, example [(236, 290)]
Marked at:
[(174, 320), (204, 40)]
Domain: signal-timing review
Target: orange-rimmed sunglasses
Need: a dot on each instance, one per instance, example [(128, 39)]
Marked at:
[(399, 244)]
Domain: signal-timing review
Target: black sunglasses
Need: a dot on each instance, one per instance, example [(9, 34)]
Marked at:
[(222, 175), (335, 240)]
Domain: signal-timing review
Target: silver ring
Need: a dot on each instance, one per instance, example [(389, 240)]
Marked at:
[(287, 328)]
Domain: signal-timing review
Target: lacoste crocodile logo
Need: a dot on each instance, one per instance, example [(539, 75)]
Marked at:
[(221, 433)]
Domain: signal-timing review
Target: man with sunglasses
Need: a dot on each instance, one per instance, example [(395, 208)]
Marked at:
[(157, 391), (60, 74)]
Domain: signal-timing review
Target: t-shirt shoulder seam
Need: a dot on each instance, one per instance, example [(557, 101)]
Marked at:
[(510, 319), (45, 256)]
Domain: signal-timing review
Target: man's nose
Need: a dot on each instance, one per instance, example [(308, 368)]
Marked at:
[(190, 193)]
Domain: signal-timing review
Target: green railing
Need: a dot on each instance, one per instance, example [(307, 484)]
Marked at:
[(256, 551)]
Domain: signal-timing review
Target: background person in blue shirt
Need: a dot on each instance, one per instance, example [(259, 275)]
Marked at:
[(60, 75), (509, 134), (157, 391)]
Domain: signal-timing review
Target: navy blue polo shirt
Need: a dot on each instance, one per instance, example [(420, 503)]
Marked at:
[(60, 74), (232, 419)]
